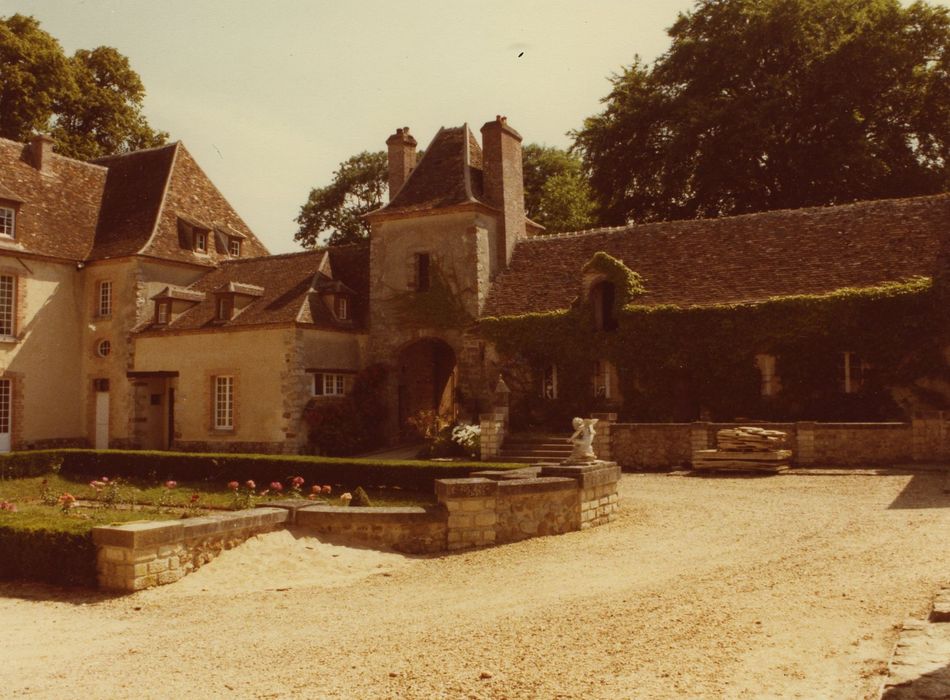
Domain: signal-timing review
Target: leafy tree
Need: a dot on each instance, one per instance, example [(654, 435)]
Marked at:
[(357, 188), (556, 192), (104, 114), (91, 103), (34, 76), (764, 104), (556, 195)]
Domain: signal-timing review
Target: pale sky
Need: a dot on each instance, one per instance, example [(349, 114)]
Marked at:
[(270, 96)]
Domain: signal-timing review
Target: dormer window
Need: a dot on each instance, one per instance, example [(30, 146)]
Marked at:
[(7, 222), (224, 307), (602, 296), (201, 241), (234, 247), (342, 308)]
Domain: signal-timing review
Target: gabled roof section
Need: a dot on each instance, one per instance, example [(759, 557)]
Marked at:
[(742, 259), (283, 290), (132, 201), (449, 173), (180, 294), (58, 208)]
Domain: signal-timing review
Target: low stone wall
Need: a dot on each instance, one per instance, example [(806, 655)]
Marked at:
[(650, 445), (407, 529), (670, 445), (852, 444), (140, 555), (495, 508)]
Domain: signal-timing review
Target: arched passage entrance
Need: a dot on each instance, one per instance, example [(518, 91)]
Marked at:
[(427, 377)]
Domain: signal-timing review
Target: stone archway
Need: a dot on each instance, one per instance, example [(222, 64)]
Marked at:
[(427, 379)]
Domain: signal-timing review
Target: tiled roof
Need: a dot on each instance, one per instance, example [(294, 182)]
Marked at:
[(132, 201), (117, 206), (738, 259), (48, 222), (287, 295), (449, 173)]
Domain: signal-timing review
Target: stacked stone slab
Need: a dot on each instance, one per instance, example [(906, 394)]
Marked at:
[(745, 449)]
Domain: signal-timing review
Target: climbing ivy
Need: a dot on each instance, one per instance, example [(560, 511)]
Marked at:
[(437, 307), (677, 363)]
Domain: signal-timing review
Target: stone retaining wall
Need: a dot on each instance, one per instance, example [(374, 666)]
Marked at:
[(140, 555), (406, 529), (496, 508), (669, 445)]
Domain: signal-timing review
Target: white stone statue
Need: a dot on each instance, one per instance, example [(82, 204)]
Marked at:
[(583, 441)]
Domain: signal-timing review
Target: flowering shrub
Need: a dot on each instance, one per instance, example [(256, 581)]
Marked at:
[(163, 499), (194, 502), (8, 506), (468, 437), (243, 496), (47, 496), (66, 502), (296, 487)]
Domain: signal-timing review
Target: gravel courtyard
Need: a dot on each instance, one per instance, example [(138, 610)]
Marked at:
[(790, 586)]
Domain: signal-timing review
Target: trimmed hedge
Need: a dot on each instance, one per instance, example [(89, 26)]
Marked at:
[(408, 474), (61, 558)]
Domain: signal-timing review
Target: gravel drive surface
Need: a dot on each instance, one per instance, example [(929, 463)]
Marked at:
[(789, 586)]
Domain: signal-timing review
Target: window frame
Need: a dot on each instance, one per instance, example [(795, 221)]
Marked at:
[(199, 234), (222, 403), (546, 372), (342, 308), (162, 313), (8, 333), (422, 281), (104, 299), (12, 221), (335, 381), (103, 344), (234, 247)]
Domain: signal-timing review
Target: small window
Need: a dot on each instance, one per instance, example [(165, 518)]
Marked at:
[(342, 308), (8, 222), (224, 309), (549, 382), (105, 299), (602, 372), (161, 313), (602, 297), (103, 348), (423, 272), (325, 384), (766, 365), (224, 403), (201, 241), (851, 370), (234, 247), (7, 306)]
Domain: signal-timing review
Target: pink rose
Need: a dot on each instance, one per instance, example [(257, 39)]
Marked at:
[(314, 489), (276, 486), (250, 484), (170, 484), (233, 485), (327, 489)]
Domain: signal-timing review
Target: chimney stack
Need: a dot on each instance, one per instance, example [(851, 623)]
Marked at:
[(504, 183), (41, 148), (402, 159)]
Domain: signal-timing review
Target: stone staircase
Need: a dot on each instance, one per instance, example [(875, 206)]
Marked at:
[(535, 449)]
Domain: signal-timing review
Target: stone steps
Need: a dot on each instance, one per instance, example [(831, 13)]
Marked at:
[(535, 449)]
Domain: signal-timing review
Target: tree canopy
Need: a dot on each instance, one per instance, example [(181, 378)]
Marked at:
[(556, 195), (90, 103), (766, 104)]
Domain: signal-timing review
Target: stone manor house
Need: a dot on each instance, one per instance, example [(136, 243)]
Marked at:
[(138, 310)]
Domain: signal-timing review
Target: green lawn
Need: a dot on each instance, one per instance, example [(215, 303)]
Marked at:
[(136, 499)]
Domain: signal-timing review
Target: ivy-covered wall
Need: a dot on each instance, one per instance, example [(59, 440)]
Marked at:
[(681, 364)]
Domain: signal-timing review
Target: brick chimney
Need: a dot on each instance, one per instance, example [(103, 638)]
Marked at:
[(41, 148), (402, 159), (504, 183)]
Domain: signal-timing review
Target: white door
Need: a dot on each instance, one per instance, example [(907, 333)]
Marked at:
[(102, 420), (6, 419)]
